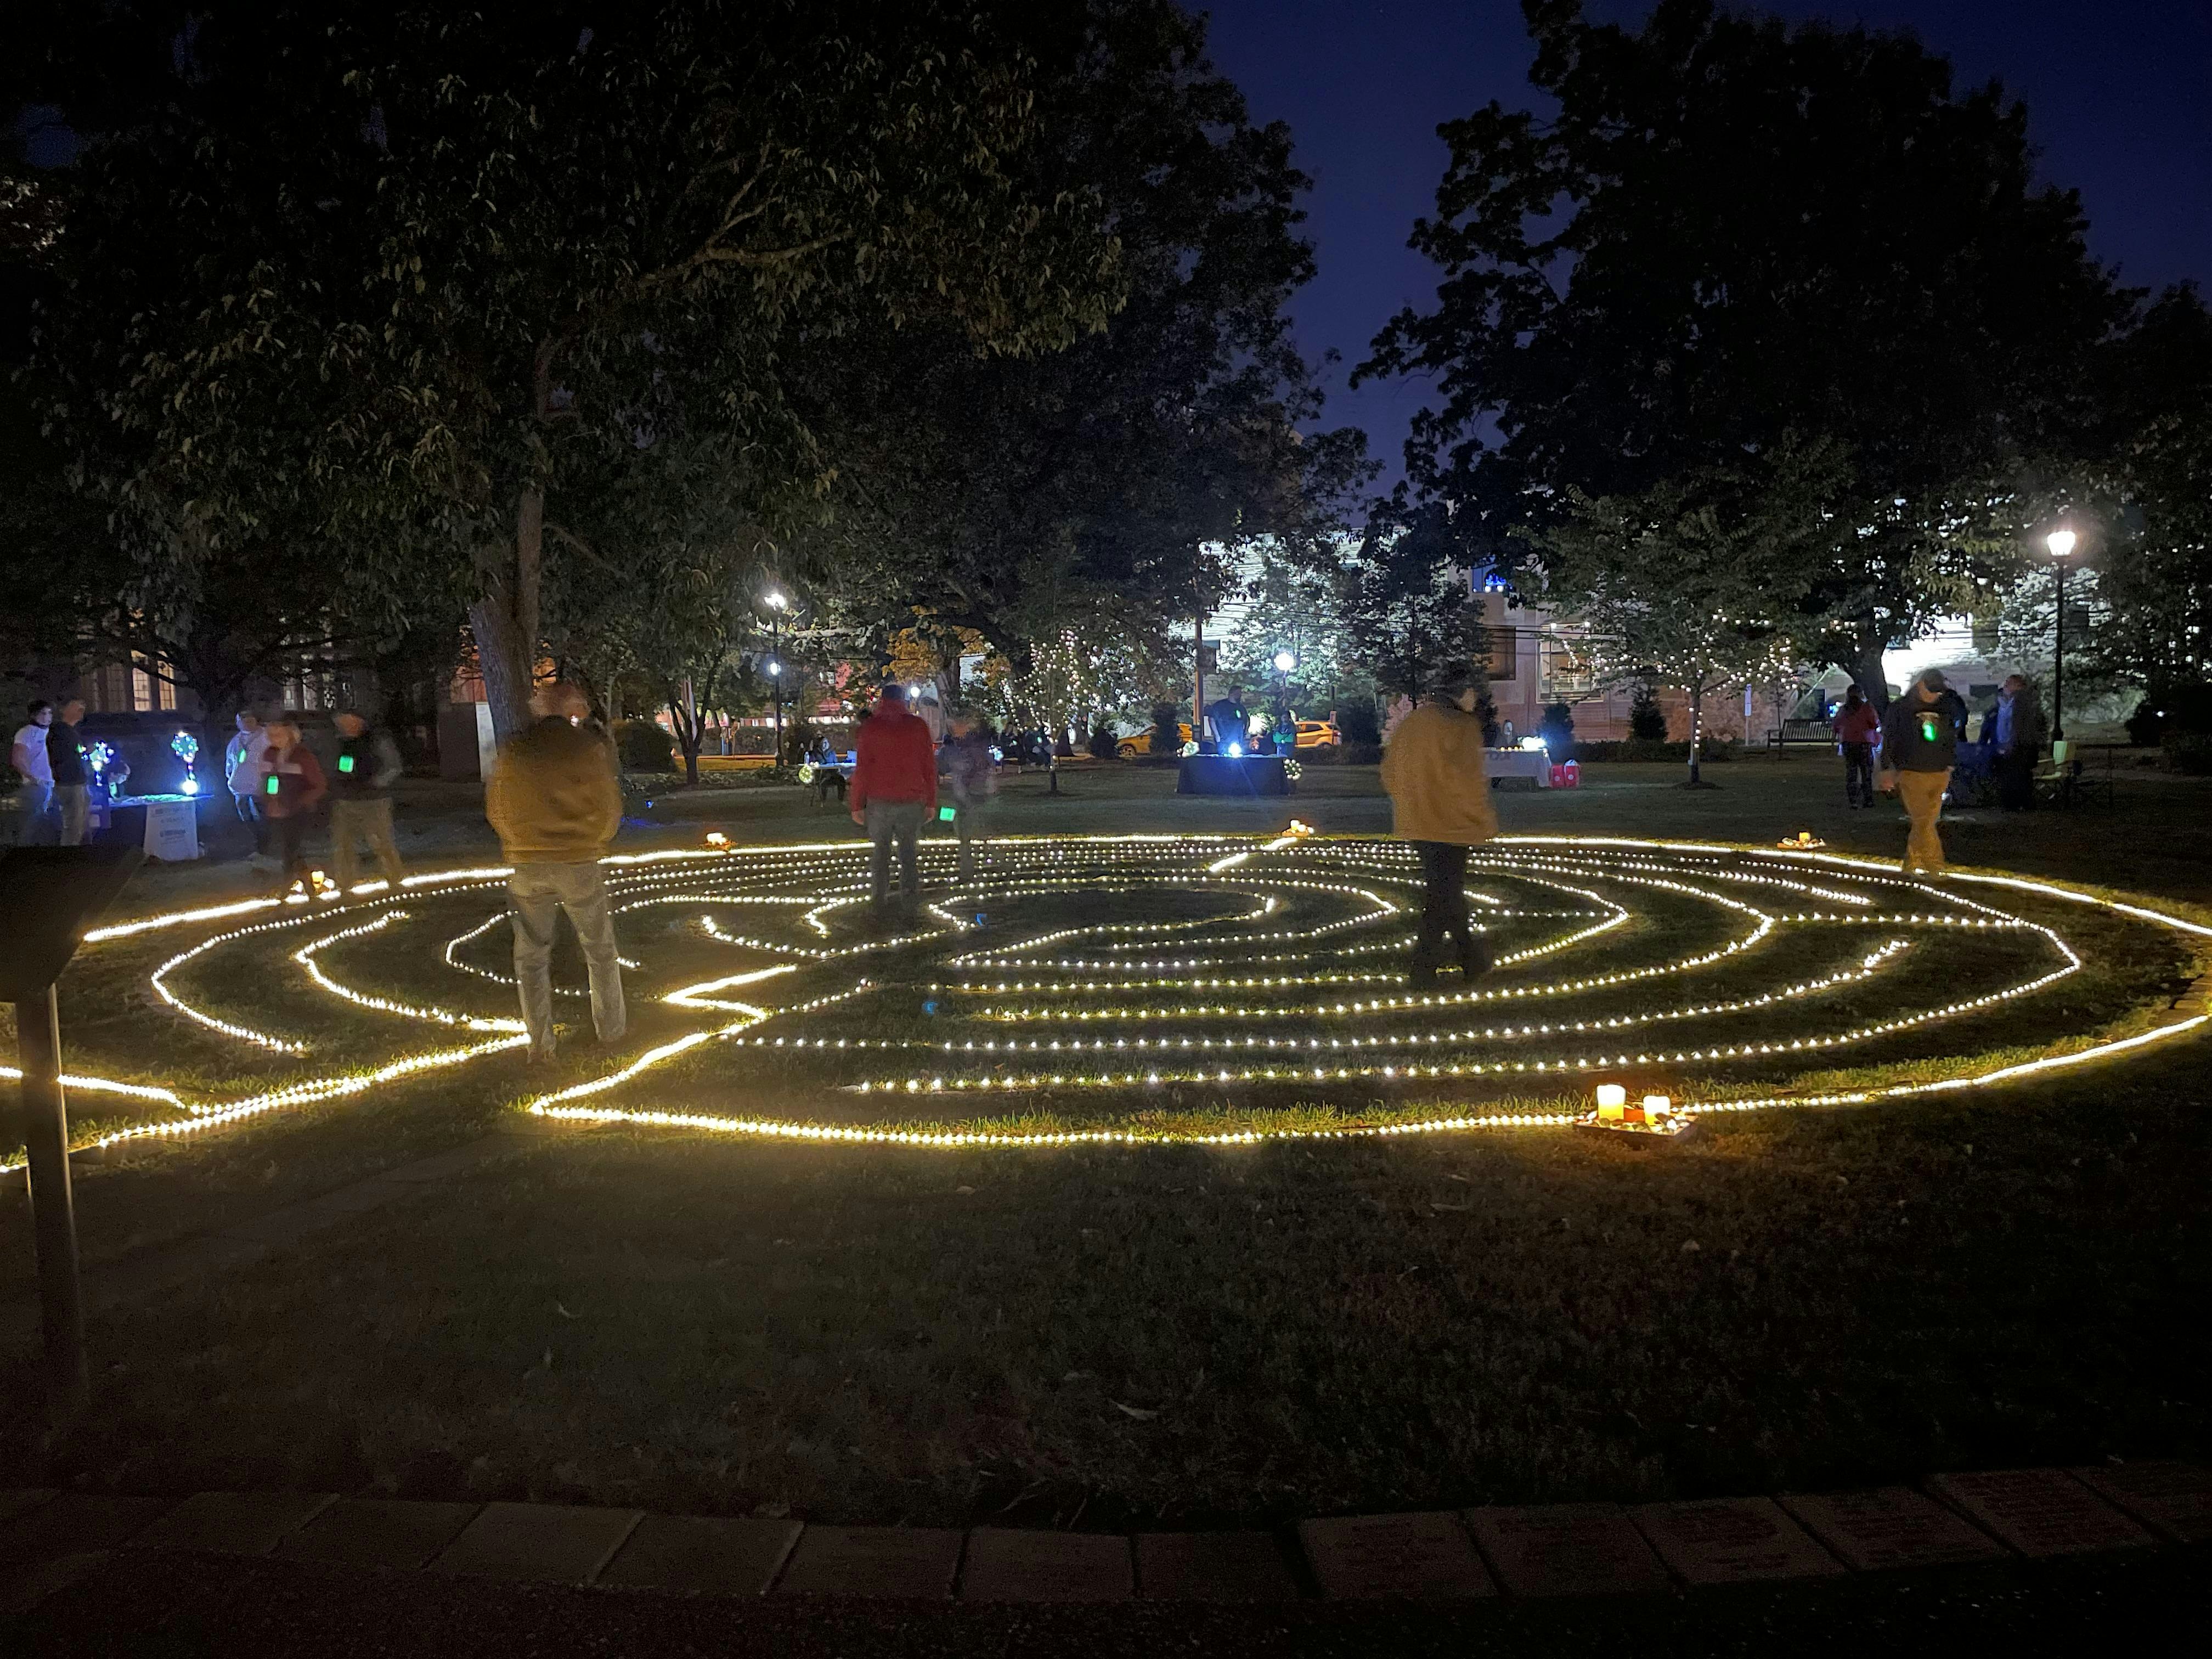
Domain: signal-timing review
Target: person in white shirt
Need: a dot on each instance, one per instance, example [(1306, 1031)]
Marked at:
[(243, 770), (35, 769)]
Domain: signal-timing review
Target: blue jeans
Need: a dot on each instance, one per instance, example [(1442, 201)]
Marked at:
[(34, 806)]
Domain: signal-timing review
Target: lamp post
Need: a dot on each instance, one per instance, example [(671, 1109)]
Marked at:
[(777, 605), (2061, 543), (1286, 660)]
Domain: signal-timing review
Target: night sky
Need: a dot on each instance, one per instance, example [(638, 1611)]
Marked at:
[(2118, 93)]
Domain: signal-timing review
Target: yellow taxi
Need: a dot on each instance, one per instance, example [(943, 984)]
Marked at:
[(1319, 734), (1140, 742)]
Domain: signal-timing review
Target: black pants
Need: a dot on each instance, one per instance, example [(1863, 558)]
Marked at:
[(2015, 770), (287, 835), (1443, 906), (1858, 773)]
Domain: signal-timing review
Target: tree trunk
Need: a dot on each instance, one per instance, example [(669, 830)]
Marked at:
[(504, 617), (1866, 674), (1697, 729)]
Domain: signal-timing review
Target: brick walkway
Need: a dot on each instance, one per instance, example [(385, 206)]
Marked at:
[(48, 1539)]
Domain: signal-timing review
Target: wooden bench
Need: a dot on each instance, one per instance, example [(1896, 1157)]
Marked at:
[(1789, 732)]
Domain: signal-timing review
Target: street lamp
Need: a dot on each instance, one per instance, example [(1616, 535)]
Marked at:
[(1286, 660), (777, 605), (2061, 543)]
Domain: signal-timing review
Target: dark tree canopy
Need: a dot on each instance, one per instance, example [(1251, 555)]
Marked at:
[(1018, 496), (1735, 230), (431, 284)]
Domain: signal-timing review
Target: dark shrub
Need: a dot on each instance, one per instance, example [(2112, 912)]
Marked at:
[(1646, 720), (644, 746), (1557, 730), (1356, 723)]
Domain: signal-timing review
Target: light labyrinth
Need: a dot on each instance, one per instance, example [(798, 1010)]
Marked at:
[(1210, 989)]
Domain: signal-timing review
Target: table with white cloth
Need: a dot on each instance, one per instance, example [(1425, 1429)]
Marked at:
[(1533, 763)]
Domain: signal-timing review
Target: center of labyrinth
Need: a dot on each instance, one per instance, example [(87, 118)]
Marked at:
[(1187, 987)]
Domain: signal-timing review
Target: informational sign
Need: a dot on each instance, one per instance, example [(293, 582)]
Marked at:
[(173, 829)]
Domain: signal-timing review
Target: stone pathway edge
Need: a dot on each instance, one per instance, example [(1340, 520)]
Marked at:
[(48, 1538)]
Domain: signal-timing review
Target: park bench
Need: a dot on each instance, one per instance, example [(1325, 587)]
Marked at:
[(1789, 732)]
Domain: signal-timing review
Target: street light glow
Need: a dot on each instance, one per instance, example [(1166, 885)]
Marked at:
[(2060, 541), (775, 600), (1284, 661), (776, 668)]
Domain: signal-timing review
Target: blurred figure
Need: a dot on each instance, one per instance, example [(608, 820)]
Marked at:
[(972, 777), (360, 798), (1919, 746), (2015, 744), (35, 792), (554, 800), (241, 774), (1440, 801), (1856, 726), (292, 787), (894, 788), (72, 780)]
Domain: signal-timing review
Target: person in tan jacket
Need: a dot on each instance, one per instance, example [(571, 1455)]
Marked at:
[(1440, 801), (555, 802)]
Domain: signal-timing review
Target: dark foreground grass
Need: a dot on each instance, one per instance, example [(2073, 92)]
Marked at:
[(1188, 1335), (1183, 1335)]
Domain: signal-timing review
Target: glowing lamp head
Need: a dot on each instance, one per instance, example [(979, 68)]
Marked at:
[(2060, 541), (1657, 1105), (1285, 662), (1533, 742), (191, 786), (1236, 750), (1612, 1099)]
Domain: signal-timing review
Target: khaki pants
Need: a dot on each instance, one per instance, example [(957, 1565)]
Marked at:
[(582, 890), (75, 800), (369, 820), (1923, 795)]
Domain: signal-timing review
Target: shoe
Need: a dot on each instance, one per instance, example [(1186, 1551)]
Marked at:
[(1476, 959)]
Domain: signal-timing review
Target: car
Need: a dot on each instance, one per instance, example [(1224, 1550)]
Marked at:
[(1140, 742), (1319, 734)]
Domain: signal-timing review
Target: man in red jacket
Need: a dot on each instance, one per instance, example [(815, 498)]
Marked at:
[(894, 791)]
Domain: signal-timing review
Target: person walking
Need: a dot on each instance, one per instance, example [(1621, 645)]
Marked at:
[(1856, 726), (1439, 793), (2015, 744), (72, 778), (894, 789), (292, 787), (34, 768), (556, 805), (1919, 745), (241, 776), (972, 777), (360, 798)]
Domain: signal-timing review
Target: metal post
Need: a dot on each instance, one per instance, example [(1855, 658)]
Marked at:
[(53, 1217), (1198, 685), (2058, 664)]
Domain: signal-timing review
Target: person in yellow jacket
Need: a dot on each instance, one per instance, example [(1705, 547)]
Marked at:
[(555, 802), (1440, 801)]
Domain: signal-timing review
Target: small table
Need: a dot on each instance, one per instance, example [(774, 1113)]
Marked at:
[(1533, 763), (1232, 774)]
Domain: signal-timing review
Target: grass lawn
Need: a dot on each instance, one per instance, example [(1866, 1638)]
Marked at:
[(1100, 1336)]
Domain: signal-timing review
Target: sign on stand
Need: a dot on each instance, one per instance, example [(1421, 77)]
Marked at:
[(173, 829)]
